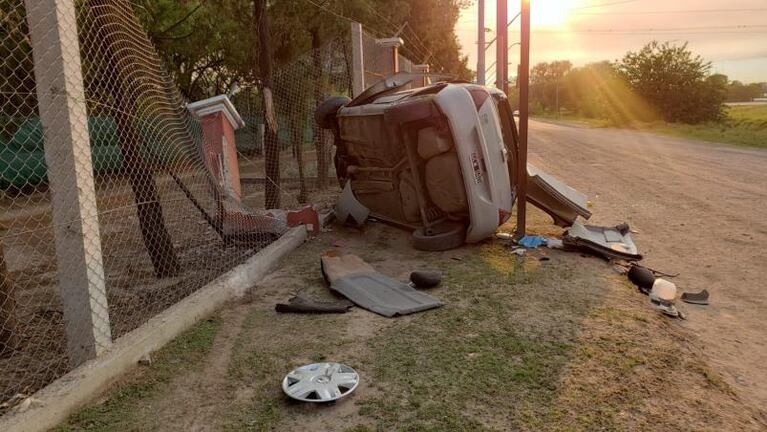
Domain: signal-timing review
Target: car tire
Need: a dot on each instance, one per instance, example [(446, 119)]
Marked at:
[(325, 114), (445, 236)]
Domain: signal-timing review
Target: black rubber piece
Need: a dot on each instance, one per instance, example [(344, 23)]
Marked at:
[(425, 279), (641, 277), (446, 236), (300, 304), (325, 114), (700, 298)]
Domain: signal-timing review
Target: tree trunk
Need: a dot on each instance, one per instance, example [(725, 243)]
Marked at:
[(271, 143), (297, 137), (8, 322), (317, 132), (156, 237), (141, 176)]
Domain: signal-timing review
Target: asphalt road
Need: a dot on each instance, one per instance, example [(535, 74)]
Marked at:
[(701, 210)]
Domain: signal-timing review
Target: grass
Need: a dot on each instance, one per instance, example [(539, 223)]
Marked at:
[(117, 411), (744, 125), (520, 344)]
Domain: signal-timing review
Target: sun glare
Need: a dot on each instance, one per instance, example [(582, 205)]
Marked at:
[(550, 13)]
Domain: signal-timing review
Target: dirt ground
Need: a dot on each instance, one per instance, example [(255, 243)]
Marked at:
[(701, 209), (134, 293), (522, 343)]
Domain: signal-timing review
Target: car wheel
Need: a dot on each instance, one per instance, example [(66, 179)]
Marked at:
[(443, 237), (325, 114)]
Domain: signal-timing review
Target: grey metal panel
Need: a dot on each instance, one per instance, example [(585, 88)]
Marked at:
[(578, 199), (383, 295)]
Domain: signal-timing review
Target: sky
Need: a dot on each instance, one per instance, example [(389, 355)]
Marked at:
[(731, 34)]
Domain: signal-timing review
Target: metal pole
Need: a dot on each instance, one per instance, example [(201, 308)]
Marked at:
[(524, 87), (501, 46), (481, 43)]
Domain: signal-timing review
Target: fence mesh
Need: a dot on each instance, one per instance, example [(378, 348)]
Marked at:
[(116, 202)]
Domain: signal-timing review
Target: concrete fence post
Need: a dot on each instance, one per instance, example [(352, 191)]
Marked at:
[(390, 48), (61, 101), (424, 80), (358, 60)]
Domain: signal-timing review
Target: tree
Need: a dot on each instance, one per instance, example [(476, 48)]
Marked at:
[(596, 90), (208, 45), (122, 74), (674, 81), (545, 83), (264, 70), (739, 92)]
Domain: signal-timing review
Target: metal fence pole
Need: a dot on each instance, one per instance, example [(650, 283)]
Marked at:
[(358, 60), (502, 47), (481, 45), (61, 101), (524, 114)]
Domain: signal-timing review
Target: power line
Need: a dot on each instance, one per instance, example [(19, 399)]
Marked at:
[(675, 11), (604, 4), (338, 15), (665, 29), (419, 49)]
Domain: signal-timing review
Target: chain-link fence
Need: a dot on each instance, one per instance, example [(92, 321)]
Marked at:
[(115, 202)]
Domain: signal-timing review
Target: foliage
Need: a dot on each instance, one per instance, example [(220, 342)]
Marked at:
[(675, 82), (739, 92), (545, 83), (597, 90), (208, 45)]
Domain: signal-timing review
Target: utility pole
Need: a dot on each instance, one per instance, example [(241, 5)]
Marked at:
[(481, 43), (502, 46), (524, 112)]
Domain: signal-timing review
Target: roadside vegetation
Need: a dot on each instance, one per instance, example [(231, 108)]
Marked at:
[(743, 125), (662, 87)]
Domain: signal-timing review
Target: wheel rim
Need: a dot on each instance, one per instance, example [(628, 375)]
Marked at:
[(320, 382)]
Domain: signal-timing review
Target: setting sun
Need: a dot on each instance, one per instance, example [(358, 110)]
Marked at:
[(550, 13)]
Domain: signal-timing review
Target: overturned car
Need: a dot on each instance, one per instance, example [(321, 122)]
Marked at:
[(439, 160)]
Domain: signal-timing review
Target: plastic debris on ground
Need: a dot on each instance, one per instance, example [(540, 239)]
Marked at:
[(301, 304), (358, 281), (348, 209), (554, 243), (531, 241), (699, 298), (607, 242), (662, 296)]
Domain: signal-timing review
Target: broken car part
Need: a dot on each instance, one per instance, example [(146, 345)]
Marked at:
[(301, 304), (358, 281), (425, 279), (563, 203), (641, 277), (700, 298), (662, 296), (609, 243), (320, 382), (348, 209)]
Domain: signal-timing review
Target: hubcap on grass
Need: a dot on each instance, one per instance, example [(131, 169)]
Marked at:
[(320, 382)]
